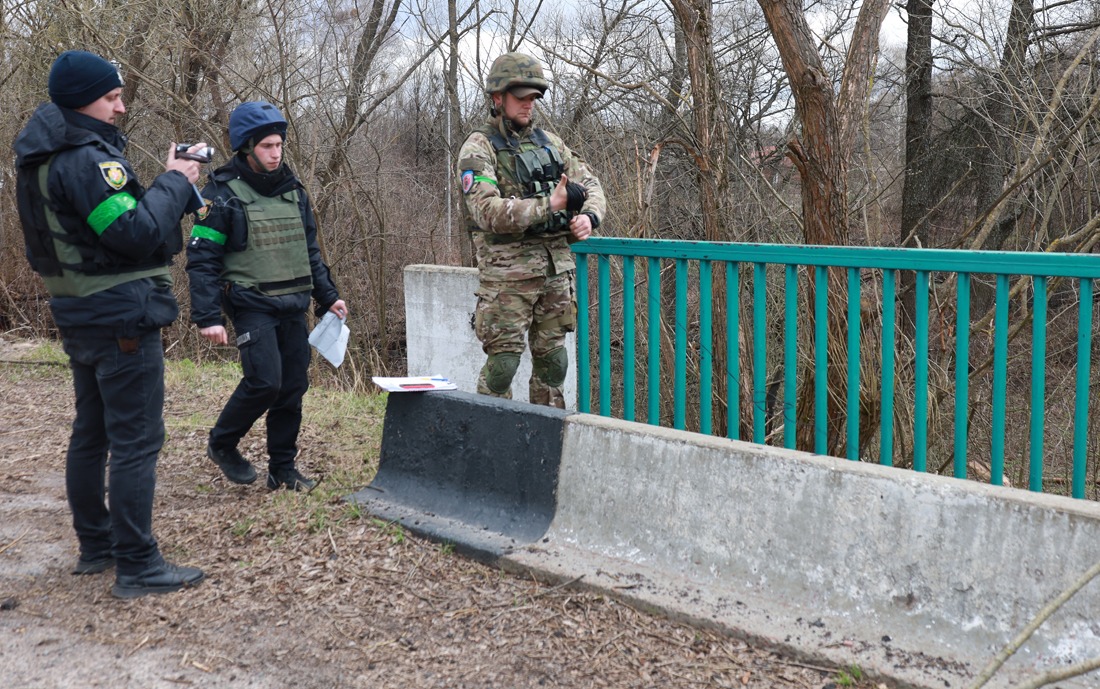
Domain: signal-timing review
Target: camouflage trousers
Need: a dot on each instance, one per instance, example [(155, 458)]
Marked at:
[(536, 311)]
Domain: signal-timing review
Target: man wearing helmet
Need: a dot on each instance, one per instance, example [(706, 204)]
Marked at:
[(253, 252), (526, 197)]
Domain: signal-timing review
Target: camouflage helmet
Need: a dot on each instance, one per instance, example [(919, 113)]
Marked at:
[(516, 71)]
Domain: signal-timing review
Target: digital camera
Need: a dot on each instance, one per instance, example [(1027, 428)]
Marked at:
[(203, 155)]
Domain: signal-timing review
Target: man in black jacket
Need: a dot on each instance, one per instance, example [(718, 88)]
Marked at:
[(253, 252), (103, 244)]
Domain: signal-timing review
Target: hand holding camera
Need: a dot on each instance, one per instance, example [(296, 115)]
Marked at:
[(188, 159), (202, 155)]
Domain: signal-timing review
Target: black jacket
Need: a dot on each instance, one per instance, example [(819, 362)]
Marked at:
[(226, 217), (147, 235)]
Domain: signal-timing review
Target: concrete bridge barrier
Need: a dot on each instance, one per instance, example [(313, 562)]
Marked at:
[(464, 469), (919, 578)]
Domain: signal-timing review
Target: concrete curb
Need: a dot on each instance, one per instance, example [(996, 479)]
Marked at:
[(918, 578)]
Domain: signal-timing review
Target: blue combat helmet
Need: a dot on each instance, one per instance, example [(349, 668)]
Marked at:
[(253, 121)]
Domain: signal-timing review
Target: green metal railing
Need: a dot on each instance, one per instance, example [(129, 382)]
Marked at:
[(857, 263)]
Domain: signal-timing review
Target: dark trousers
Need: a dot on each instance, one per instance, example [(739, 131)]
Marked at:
[(275, 360), (119, 411)]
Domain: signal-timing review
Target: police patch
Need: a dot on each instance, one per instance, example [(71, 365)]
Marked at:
[(114, 174), (201, 213), (467, 181)]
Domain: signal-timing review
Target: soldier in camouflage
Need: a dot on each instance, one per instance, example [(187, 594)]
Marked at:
[(527, 197)]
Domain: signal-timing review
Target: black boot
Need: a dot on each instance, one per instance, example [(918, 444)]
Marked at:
[(162, 577), (93, 564), (289, 478), (232, 463)]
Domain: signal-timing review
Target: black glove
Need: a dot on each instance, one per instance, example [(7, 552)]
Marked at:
[(577, 195)]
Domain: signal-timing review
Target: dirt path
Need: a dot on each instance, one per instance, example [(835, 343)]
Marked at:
[(301, 591)]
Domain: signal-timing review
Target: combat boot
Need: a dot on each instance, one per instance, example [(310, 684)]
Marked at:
[(162, 577), (289, 478), (93, 564), (232, 463)]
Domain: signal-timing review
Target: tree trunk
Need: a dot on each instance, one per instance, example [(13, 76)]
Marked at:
[(829, 127), (1001, 122), (709, 126), (916, 197), (454, 135)]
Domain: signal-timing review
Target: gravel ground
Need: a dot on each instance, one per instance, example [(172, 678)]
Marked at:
[(301, 590)]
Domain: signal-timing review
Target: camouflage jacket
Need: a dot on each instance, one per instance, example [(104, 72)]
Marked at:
[(491, 208)]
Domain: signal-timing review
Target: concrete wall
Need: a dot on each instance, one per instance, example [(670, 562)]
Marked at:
[(922, 578), (439, 311), (915, 577)]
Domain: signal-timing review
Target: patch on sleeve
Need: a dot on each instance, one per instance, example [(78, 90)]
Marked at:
[(201, 213), (467, 181), (473, 163), (114, 174)]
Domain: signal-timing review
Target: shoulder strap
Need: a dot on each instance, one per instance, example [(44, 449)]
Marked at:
[(539, 137), (497, 139), (44, 178)]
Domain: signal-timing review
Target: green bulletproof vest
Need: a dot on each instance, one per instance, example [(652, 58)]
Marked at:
[(527, 169), (73, 282), (276, 260)]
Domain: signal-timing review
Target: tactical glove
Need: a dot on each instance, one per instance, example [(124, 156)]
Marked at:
[(576, 196)]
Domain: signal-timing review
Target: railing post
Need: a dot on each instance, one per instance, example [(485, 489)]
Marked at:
[(821, 359), (1081, 403), (1000, 377), (790, 353), (654, 353), (706, 344), (854, 330), (1038, 382), (886, 424), (603, 268), (584, 389), (679, 380), (733, 351), (759, 350), (920, 375), (962, 371), (628, 338)]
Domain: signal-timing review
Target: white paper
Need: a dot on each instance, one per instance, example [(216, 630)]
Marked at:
[(414, 383), (330, 338)]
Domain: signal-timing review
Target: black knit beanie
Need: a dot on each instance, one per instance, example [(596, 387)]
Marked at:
[(78, 77)]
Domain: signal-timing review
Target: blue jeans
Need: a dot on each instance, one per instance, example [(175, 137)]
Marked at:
[(119, 412), (275, 360)]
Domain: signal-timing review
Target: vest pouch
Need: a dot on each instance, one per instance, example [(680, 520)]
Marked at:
[(538, 170)]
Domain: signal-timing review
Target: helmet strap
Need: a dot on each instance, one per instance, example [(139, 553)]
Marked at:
[(248, 151)]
